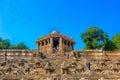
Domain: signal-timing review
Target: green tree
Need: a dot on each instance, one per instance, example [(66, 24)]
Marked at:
[(0, 39), (110, 46), (12, 47), (0, 43), (5, 44), (94, 38), (116, 41), (21, 45)]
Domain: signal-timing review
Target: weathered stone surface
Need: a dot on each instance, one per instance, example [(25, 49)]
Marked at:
[(22, 64), (63, 64)]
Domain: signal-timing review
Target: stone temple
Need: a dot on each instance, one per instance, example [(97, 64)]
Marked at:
[(55, 43), (56, 59)]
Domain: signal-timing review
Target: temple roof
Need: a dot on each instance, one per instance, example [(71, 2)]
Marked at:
[(55, 32)]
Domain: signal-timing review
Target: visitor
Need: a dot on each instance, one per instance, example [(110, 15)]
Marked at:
[(88, 65)]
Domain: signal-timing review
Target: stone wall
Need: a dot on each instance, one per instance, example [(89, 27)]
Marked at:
[(99, 54), (22, 65), (16, 53)]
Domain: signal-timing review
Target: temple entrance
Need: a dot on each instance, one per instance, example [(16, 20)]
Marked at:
[(56, 44)]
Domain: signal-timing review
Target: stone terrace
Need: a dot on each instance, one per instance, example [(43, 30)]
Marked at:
[(24, 65)]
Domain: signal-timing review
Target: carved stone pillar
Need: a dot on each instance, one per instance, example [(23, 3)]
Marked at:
[(60, 45), (38, 48), (47, 46), (44, 46), (51, 45), (63, 45), (44, 43)]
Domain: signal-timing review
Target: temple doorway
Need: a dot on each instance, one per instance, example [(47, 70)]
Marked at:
[(56, 44)]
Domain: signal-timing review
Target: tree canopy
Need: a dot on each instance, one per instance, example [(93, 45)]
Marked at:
[(116, 41), (110, 46), (0, 42), (0, 39), (94, 38), (21, 45), (5, 44)]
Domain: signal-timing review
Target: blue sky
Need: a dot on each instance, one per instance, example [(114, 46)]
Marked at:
[(28, 20)]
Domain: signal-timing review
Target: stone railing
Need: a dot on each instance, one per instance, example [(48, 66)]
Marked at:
[(15, 53), (98, 54), (86, 54)]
